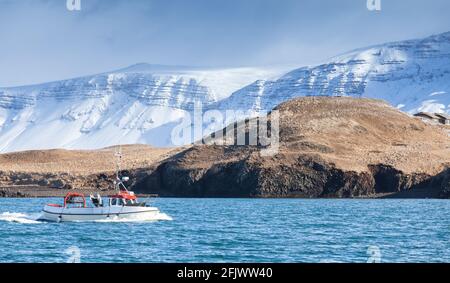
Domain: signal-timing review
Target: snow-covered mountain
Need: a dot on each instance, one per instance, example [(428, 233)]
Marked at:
[(413, 75), (138, 104), (143, 103)]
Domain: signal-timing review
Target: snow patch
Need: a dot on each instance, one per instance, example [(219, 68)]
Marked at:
[(143, 103)]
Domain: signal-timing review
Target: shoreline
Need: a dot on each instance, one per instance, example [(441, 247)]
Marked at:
[(46, 192)]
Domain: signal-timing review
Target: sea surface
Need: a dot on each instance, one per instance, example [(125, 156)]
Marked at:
[(237, 230)]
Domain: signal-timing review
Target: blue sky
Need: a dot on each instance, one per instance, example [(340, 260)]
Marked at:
[(40, 40)]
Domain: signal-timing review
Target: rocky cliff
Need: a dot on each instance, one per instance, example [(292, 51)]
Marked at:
[(329, 147), (54, 172)]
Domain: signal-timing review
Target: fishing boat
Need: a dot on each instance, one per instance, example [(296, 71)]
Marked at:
[(122, 205)]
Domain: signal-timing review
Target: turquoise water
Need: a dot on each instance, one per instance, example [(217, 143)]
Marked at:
[(238, 230)]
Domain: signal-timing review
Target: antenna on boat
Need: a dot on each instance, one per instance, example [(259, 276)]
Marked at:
[(118, 155), (119, 179)]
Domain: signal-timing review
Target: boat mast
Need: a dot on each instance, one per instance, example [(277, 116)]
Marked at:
[(118, 154)]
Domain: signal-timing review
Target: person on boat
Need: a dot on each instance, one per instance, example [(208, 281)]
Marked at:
[(97, 200)]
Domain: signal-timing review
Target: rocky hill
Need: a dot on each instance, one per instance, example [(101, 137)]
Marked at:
[(53, 172), (330, 147)]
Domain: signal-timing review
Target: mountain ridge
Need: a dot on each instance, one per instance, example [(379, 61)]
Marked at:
[(111, 108), (365, 72), (142, 103)]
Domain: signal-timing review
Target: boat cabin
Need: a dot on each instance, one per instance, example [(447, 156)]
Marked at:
[(74, 200), (125, 198)]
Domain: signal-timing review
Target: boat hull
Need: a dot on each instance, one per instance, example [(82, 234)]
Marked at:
[(64, 214)]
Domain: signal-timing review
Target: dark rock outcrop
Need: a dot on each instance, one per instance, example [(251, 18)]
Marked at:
[(444, 180), (307, 177), (6, 193), (387, 179)]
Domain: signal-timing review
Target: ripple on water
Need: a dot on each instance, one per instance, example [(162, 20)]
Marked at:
[(238, 230)]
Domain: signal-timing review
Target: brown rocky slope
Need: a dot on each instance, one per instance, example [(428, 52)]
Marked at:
[(54, 172), (329, 147)]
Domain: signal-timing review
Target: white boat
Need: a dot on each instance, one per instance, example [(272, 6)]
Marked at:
[(123, 205)]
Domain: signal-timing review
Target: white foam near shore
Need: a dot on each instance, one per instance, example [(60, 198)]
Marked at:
[(19, 218)]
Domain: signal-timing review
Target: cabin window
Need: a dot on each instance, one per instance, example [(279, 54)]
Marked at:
[(119, 201)]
